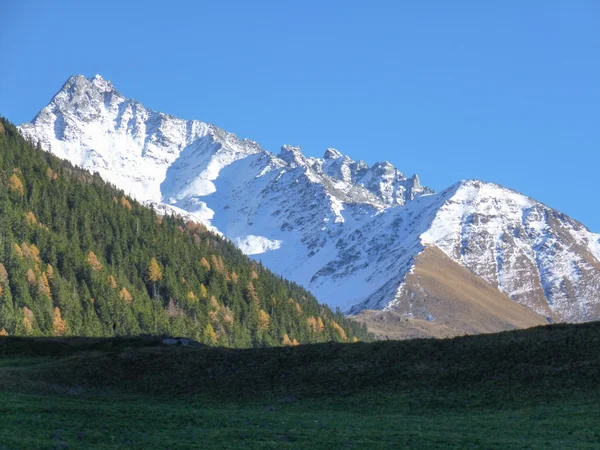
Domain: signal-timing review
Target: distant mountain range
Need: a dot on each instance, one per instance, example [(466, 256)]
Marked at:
[(367, 239)]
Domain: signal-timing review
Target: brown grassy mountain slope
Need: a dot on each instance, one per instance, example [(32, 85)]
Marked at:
[(441, 299)]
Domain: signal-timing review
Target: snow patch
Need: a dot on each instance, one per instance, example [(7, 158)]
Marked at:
[(256, 245)]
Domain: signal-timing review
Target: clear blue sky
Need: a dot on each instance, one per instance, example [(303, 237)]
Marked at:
[(501, 91)]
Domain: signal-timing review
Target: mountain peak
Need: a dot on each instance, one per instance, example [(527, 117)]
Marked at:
[(82, 83), (332, 153), (292, 155)]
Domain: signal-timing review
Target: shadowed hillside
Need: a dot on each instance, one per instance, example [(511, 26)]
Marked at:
[(535, 388), (538, 359)]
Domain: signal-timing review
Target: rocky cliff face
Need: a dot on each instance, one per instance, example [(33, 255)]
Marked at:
[(349, 232)]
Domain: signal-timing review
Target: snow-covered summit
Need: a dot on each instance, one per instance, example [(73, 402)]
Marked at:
[(348, 231)]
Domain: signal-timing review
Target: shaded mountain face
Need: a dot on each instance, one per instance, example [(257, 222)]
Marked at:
[(349, 232)]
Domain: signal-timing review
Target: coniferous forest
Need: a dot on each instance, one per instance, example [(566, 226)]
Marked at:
[(79, 257)]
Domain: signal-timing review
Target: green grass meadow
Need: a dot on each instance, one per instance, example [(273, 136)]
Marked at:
[(529, 389)]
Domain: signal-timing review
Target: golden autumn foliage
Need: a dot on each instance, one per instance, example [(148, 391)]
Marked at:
[(31, 278), (51, 174), (299, 309), (28, 319), (30, 218), (251, 294), (227, 315), (50, 271), (44, 285), (203, 291), (17, 250), (30, 252), (112, 282), (253, 275), (320, 324), (125, 295), (3, 332), (16, 185), (3, 274), (214, 303), (58, 323), (125, 203), (28, 325), (234, 277), (195, 227), (93, 262), (340, 331), (218, 263), (1, 128), (286, 341), (209, 334), (191, 296), (263, 319), (312, 324), (205, 264), (354, 339), (154, 271)]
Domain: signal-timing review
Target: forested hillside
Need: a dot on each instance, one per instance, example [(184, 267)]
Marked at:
[(78, 257)]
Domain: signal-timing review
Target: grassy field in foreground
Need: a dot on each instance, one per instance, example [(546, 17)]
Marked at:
[(536, 388)]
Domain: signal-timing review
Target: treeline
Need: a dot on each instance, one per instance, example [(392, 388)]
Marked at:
[(78, 257)]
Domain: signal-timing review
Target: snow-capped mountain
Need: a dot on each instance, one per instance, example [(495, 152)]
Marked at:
[(350, 233)]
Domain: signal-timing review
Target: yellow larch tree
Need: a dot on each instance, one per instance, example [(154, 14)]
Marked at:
[(125, 203), (203, 291), (30, 218), (44, 285), (209, 334), (205, 264), (17, 250), (320, 324), (28, 319), (112, 282), (154, 271), (125, 296), (93, 261), (31, 278), (59, 324), (154, 275), (251, 294), (50, 271), (263, 319), (340, 331), (16, 185), (3, 274)]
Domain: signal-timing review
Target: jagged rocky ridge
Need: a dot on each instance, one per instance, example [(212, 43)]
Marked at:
[(349, 232)]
